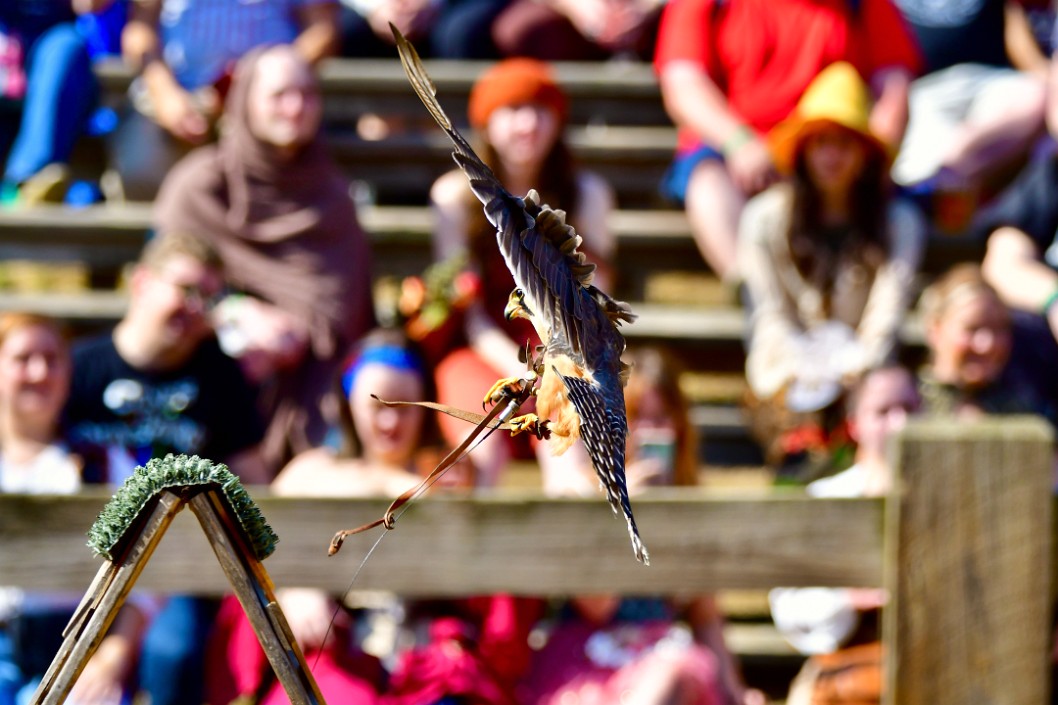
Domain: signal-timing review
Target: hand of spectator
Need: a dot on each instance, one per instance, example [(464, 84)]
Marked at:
[(867, 598), (83, 7), (622, 20), (176, 110), (263, 337), (643, 473), (751, 167), (753, 696), (309, 613), (412, 17), (103, 677), (1052, 320), (609, 23)]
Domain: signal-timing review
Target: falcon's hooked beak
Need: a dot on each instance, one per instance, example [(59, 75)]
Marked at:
[(516, 307)]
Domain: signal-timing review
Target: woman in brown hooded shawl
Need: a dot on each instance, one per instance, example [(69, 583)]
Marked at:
[(277, 209)]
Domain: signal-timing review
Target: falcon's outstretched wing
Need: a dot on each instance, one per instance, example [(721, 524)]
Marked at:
[(575, 320), (603, 429), (540, 248)]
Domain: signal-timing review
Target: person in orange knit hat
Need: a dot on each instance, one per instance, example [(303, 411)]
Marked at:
[(519, 112), (828, 258)]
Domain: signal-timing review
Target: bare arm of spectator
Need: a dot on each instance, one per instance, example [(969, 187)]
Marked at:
[(708, 625), (693, 100), (888, 118), (174, 107), (1052, 95), (1012, 266), (1022, 47), (319, 36)]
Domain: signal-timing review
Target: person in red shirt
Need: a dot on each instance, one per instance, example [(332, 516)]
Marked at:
[(730, 70)]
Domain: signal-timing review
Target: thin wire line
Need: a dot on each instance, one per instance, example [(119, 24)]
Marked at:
[(399, 514)]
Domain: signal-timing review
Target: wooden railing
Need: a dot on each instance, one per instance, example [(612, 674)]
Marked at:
[(964, 546)]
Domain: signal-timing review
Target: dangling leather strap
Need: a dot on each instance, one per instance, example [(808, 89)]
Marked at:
[(501, 411)]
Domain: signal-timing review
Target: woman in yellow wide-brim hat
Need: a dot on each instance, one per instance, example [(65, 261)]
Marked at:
[(828, 259)]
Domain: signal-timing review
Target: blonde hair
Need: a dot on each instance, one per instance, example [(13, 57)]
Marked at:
[(959, 284), (163, 247)]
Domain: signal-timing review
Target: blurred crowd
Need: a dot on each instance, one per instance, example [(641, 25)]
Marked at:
[(821, 143)]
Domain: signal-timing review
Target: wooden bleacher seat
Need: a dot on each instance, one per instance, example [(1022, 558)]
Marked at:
[(619, 93)]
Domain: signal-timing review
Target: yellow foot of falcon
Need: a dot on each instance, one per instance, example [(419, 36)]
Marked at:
[(530, 423), (508, 387)]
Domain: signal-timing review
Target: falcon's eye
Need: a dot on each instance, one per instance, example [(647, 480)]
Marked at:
[(519, 293)]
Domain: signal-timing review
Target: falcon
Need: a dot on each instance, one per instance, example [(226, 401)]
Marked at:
[(577, 368)]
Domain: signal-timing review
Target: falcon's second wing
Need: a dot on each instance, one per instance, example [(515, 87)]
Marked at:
[(603, 429)]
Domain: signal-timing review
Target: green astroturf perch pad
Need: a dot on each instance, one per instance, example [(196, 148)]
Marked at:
[(171, 472)]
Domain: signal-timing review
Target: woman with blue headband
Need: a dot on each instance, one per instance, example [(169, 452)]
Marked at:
[(379, 449)]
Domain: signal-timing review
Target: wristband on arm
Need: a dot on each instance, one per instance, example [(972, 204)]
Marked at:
[(738, 139), (1049, 303)]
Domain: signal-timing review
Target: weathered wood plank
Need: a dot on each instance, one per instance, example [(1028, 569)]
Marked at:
[(969, 551), (625, 91), (503, 542)]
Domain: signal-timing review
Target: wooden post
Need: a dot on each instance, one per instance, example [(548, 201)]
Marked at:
[(968, 553), (101, 603)]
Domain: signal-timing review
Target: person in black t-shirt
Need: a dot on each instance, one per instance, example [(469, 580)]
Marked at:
[(159, 383)]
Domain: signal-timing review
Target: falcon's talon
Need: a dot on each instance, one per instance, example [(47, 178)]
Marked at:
[(508, 386), (530, 423)]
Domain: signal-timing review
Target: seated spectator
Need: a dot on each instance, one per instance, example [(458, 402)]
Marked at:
[(578, 30), (158, 384), (609, 648), (726, 83), (968, 333), (184, 53), (1021, 259), (382, 447), (839, 627), (35, 371), (277, 210), (973, 117), (519, 112), (829, 260), (45, 70), (440, 29)]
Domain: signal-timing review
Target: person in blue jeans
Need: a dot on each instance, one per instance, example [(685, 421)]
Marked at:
[(50, 91)]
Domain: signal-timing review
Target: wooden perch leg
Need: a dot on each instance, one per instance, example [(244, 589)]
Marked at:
[(256, 593), (102, 603)]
